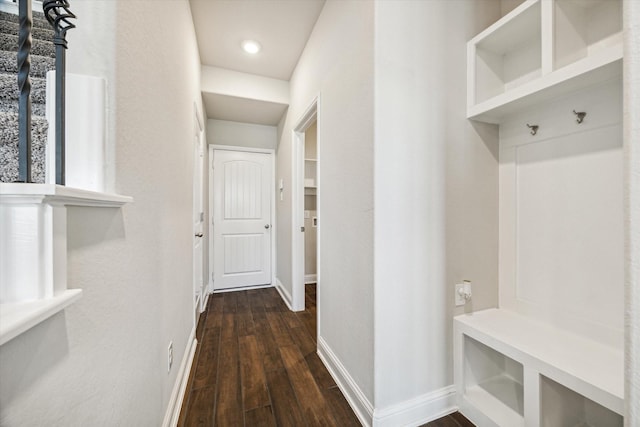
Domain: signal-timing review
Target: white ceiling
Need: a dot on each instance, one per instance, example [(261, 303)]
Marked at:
[(282, 27)]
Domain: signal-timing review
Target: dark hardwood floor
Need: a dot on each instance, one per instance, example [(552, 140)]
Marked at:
[(256, 365)]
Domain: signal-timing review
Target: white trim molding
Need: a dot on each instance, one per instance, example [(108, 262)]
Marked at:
[(182, 379), (244, 288), (361, 406), (310, 278), (286, 296), (33, 265), (419, 410), (413, 412), (310, 116)]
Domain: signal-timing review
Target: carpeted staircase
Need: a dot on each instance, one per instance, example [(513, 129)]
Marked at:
[(42, 60)]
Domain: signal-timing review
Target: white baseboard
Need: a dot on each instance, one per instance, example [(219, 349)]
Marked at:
[(310, 278), (414, 412), (244, 288), (205, 302), (286, 296), (182, 379), (356, 398), (419, 410)]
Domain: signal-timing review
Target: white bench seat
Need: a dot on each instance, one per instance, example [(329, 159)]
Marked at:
[(591, 369)]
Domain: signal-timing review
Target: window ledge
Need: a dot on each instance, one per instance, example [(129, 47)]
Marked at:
[(18, 317), (60, 194), (33, 265)]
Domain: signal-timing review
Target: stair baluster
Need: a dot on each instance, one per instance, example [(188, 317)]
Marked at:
[(58, 14), (24, 109)]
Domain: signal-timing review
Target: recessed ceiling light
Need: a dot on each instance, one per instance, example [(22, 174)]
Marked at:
[(251, 46)]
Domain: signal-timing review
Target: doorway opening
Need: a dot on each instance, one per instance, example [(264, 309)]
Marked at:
[(305, 206)]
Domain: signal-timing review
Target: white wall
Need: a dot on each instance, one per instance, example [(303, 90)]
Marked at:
[(103, 360), (243, 85), (337, 64), (631, 18), (222, 132), (436, 193), (507, 6)]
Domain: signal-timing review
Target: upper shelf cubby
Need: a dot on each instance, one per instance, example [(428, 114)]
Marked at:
[(540, 50), (583, 28)]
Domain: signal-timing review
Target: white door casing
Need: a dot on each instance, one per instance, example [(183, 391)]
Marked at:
[(242, 193), (309, 117), (198, 218)]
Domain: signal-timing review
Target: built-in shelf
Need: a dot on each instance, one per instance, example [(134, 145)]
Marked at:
[(539, 51), (18, 317), (493, 383), (561, 407), (33, 265), (493, 407), (494, 347), (310, 176), (61, 195)]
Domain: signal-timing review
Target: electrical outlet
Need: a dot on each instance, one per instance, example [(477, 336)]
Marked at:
[(462, 293), (169, 356), (459, 292)]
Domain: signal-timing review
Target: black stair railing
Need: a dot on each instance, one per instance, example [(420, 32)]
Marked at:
[(24, 84), (58, 14)]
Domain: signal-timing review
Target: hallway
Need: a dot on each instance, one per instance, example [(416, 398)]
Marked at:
[(256, 365)]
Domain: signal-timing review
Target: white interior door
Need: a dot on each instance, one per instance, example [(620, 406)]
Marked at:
[(241, 219)]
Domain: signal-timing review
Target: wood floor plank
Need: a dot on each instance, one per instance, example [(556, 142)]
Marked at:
[(245, 324), (309, 322), (253, 379), (201, 407), (230, 304), (256, 301), (202, 320), (340, 408), (291, 319), (273, 301), (260, 417), (229, 410), (461, 420), (215, 303), (214, 311), (319, 372), (242, 302), (271, 359), (283, 399), (311, 400), (228, 327), (301, 337), (446, 421), (206, 367), (279, 329)]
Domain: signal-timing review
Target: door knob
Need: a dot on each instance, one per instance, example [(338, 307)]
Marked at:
[(267, 226), (199, 234)]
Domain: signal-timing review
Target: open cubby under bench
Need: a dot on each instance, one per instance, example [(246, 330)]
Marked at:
[(514, 370)]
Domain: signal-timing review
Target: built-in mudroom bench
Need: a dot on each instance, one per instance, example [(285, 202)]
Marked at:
[(548, 73)]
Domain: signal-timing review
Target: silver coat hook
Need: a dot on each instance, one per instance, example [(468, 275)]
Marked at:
[(579, 115), (534, 128)]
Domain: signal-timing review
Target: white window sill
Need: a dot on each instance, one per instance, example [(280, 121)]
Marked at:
[(33, 267), (18, 317), (62, 195)]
